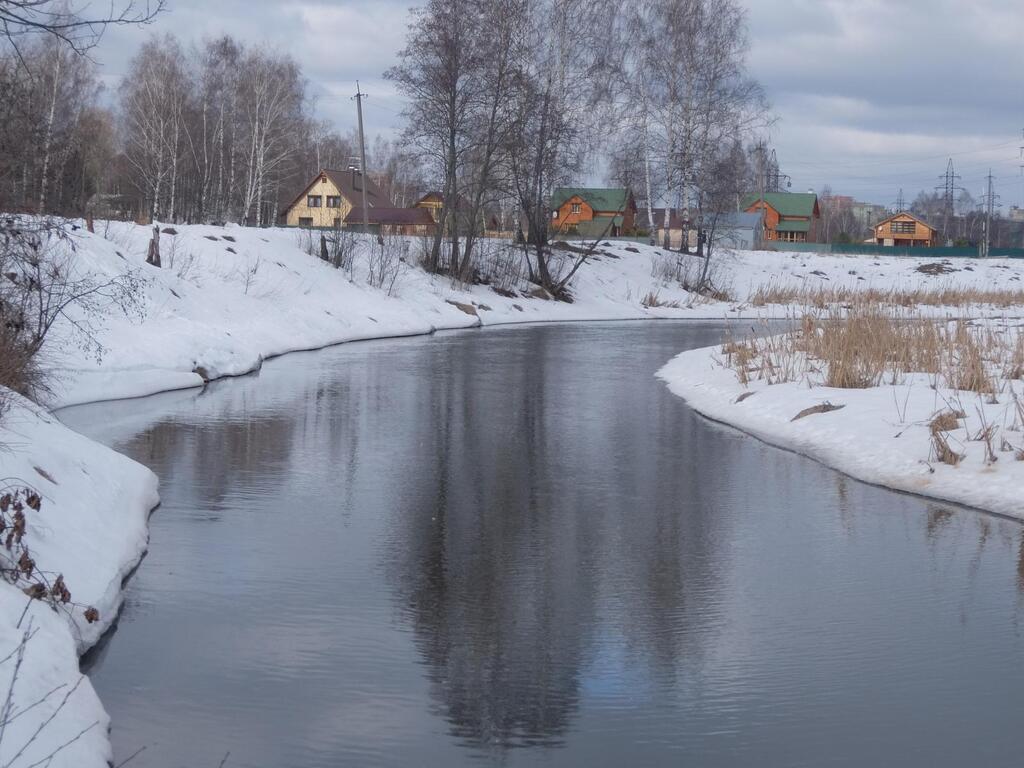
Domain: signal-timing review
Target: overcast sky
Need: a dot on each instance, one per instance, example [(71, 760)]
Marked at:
[(871, 95)]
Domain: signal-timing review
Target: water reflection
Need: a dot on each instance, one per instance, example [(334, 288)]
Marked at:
[(517, 547)]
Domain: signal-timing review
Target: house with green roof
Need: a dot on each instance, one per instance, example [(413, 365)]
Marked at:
[(789, 217), (592, 211)]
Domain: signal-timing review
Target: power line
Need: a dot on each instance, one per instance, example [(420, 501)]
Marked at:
[(922, 159)]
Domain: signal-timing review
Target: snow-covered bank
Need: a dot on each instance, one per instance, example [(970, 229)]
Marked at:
[(228, 297), (91, 528), (880, 435)]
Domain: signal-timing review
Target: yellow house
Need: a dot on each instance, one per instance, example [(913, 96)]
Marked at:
[(330, 196), (433, 202)]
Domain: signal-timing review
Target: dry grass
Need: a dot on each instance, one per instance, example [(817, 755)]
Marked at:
[(19, 363), (823, 297), (940, 426), (653, 299), (872, 344), (868, 345)]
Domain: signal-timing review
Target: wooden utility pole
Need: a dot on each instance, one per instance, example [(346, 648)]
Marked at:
[(362, 156)]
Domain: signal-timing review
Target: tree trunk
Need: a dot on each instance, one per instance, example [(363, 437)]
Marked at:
[(153, 257)]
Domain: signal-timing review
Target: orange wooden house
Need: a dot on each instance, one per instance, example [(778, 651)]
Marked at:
[(906, 230), (592, 212), (789, 217)]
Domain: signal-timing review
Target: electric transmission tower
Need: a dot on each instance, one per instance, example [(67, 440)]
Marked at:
[(948, 187), (900, 205), (773, 178), (990, 203)]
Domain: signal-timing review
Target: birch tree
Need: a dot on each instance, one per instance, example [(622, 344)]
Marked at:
[(153, 105), (271, 92), (564, 84)]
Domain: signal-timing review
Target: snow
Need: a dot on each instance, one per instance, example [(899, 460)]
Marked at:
[(229, 297), (881, 435), (92, 529)]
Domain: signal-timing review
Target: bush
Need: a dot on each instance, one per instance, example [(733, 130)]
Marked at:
[(40, 284)]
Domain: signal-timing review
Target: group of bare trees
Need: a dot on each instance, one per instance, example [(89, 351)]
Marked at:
[(510, 98), (215, 131), (694, 104), (215, 134)]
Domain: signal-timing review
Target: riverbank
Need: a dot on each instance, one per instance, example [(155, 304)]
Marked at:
[(90, 528), (932, 434), (227, 298)]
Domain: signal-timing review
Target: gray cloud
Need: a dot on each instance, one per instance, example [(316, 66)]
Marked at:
[(872, 95)]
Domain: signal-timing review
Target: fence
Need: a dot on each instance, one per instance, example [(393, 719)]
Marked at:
[(867, 249)]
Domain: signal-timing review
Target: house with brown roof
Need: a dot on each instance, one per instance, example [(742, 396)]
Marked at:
[(393, 221), (327, 200), (675, 225), (434, 202)]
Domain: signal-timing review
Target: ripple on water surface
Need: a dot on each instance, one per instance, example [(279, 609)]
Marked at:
[(517, 547)]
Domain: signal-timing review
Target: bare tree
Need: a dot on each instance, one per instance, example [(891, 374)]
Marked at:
[(434, 73), (272, 94), (76, 25), (565, 84), (701, 98), (154, 95)]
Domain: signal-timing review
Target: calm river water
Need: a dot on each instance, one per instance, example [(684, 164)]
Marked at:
[(515, 547)]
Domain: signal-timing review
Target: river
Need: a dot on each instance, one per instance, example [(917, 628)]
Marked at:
[(515, 547)]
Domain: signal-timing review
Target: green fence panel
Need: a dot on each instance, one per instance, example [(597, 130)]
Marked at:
[(867, 249)]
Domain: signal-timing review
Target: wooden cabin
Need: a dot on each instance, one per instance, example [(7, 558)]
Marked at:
[(789, 217), (327, 200), (585, 211), (490, 218), (432, 202), (675, 225), (905, 230)]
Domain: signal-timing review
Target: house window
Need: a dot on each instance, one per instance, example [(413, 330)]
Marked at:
[(305, 221), (902, 227), (575, 207), (337, 222), (334, 201), (313, 201)]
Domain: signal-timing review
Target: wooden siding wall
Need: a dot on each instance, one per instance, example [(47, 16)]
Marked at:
[(566, 218), (322, 216), (884, 231)]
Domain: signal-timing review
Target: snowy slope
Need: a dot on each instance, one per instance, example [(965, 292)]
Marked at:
[(91, 528), (227, 298)]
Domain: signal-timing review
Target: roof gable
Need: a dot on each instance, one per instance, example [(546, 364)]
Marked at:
[(349, 185), (598, 198), (908, 215), (804, 204)]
